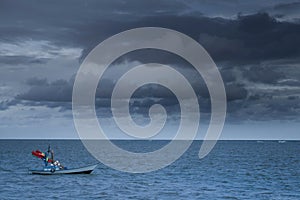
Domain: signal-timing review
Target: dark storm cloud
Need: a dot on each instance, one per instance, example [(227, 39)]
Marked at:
[(281, 106), (249, 38), (61, 91), (235, 92), (258, 108), (286, 108), (288, 7), (242, 104), (57, 91), (59, 94), (260, 74), (86, 23), (71, 23), (242, 41), (253, 38)]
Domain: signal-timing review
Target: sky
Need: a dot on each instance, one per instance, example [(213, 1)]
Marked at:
[(255, 45)]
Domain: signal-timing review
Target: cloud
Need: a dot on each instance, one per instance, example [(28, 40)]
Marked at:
[(252, 38), (247, 37), (286, 11), (41, 37), (220, 47), (65, 24), (34, 81), (235, 92), (289, 82), (57, 91), (288, 7), (261, 74), (4, 105), (16, 60), (251, 91), (34, 51)]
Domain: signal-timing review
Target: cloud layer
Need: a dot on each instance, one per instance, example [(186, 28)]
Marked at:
[(255, 45)]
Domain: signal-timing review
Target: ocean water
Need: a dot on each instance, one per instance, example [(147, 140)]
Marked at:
[(233, 170)]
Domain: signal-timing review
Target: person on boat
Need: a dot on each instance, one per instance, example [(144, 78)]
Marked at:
[(45, 159), (51, 152), (56, 163)]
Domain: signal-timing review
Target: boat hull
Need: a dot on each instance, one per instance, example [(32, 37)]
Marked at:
[(81, 170)]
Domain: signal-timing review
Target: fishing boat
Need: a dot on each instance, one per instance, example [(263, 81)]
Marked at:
[(52, 167), (56, 170), (281, 141)]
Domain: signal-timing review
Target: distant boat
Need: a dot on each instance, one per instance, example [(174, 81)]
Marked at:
[(53, 171), (281, 141), (259, 141)]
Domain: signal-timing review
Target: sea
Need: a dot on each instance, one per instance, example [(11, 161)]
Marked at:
[(232, 170)]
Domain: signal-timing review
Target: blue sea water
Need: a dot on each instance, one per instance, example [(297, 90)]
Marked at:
[(233, 170)]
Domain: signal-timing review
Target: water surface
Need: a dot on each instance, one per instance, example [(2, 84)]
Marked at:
[(233, 170)]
